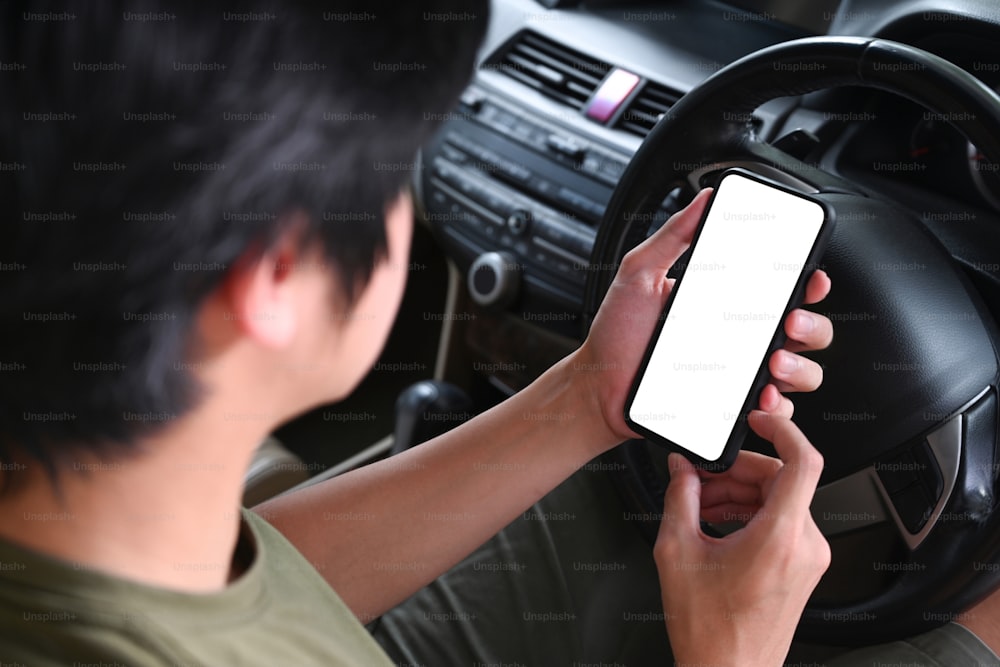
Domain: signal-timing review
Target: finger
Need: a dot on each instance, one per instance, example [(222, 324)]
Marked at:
[(795, 372), (795, 483), (730, 513), (718, 492), (818, 286), (749, 468), (682, 501), (773, 403), (660, 251), (811, 331)]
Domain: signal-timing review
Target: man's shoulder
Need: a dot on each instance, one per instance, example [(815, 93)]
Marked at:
[(280, 608)]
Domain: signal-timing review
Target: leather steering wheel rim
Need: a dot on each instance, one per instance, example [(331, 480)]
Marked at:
[(940, 573)]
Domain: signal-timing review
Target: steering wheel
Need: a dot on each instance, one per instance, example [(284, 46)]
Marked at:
[(907, 415)]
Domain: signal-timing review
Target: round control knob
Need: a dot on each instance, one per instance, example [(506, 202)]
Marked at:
[(494, 278)]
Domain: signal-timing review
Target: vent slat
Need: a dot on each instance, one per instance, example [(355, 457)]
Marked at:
[(575, 70), (537, 85), (552, 69), (661, 96), (582, 91), (635, 128), (646, 108), (574, 59), (649, 108), (553, 77)]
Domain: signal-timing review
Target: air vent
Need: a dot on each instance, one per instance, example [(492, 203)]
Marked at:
[(550, 68), (646, 108)]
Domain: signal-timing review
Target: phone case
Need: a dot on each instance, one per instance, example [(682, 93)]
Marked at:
[(739, 432)]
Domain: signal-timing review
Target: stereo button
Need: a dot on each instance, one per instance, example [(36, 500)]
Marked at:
[(472, 100), (578, 202), (565, 146), (563, 236), (510, 169), (518, 222)]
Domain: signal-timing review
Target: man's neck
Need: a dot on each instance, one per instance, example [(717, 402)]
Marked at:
[(166, 516), (167, 513)]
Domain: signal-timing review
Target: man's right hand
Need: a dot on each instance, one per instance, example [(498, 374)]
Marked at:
[(736, 600)]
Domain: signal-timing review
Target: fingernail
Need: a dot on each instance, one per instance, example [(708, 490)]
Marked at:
[(804, 323), (787, 364)]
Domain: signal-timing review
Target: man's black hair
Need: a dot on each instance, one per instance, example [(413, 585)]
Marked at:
[(145, 148)]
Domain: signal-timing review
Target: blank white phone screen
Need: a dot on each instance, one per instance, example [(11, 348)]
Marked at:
[(742, 272)]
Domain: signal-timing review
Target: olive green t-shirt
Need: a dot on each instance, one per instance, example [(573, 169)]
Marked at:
[(280, 611)]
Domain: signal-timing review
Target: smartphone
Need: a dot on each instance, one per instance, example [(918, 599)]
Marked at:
[(706, 364)]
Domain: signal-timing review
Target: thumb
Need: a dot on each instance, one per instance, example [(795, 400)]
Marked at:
[(664, 247)]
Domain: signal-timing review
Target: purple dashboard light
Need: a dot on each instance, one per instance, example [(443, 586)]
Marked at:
[(611, 94)]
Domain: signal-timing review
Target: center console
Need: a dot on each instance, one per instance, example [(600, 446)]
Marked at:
[(516, 201), (515, 195)]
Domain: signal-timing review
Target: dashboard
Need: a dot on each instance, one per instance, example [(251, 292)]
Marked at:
[(516, 187), (517, 181)]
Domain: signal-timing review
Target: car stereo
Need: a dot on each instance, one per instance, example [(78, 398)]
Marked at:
[(515, 199)]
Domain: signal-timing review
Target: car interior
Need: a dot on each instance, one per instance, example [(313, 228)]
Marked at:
[(588, 122)]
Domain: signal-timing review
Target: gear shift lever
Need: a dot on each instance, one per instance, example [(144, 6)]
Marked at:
[(427, 409)]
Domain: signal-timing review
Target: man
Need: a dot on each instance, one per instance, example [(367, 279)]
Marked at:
[(210, 233)]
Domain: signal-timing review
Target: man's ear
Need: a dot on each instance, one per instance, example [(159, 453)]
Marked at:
[(262, 292)]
